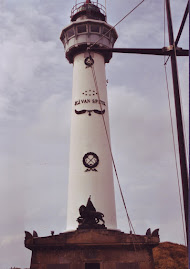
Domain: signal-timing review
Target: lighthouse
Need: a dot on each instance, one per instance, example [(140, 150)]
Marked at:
[(90, 170), (91, 239)]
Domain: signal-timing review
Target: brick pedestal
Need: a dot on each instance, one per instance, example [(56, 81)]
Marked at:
[(92, 249)]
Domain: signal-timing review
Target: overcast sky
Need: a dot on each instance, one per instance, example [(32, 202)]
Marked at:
[(35, 108)]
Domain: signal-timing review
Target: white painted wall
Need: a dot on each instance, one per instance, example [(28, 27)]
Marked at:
[(88, 135)]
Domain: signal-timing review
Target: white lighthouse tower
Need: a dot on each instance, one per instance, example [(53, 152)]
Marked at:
[(90, 171), (91, 245)]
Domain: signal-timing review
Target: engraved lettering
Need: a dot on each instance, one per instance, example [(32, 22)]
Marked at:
[(86, 101), (77, 103)]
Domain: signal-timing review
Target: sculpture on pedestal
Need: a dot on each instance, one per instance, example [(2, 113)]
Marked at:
[(89, 217)]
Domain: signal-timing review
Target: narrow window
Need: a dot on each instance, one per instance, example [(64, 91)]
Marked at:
[(63, 38), (112, 39), (92, 265), (70, 32), (81, 28), (105, 31), (95, 28)]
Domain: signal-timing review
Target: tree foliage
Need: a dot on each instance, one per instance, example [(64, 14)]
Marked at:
[(170, 256)]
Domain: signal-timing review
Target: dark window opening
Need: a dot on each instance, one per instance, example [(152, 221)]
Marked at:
[(127, 266), (92, 265), (95, 28), (63, 36), (105, 31), (81, 28), (70, 32), (58, 266)]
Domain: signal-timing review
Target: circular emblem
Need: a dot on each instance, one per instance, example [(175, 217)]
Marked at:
[(89, 61), (90, 160)]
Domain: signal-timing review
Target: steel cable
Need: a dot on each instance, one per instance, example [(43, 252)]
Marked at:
[(116, 24)]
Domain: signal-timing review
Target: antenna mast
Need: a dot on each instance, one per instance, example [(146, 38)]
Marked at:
[(181, 142), (171, 51)]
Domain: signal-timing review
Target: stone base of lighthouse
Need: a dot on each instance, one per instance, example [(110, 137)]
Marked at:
[(92, 249)]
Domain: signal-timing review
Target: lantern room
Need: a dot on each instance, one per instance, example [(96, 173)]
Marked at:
[(92, 10), (88, 27)]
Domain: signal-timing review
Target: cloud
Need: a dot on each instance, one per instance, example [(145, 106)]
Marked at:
[(141, 121), (145, 161), (53, 119), (12, 246), (35, 109), (29, 59), (4, 106)]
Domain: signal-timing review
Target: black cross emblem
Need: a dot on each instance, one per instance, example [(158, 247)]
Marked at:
[(90, 160)]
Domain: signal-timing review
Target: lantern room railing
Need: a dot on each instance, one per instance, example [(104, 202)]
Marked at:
[(90, 6)]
